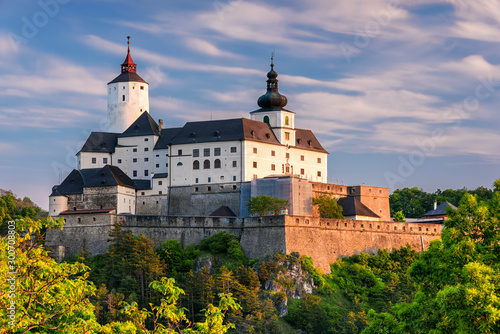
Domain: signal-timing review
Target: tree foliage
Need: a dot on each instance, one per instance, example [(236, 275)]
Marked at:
[(399, 217), (266, 205), (328, 206), (458, 277)]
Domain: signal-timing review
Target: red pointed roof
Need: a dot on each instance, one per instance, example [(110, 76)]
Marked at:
[(128, 65), (128, 70)]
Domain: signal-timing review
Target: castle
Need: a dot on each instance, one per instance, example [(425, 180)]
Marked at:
[(139, 169)]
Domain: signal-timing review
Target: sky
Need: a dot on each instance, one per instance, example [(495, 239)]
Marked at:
[(401, 93)]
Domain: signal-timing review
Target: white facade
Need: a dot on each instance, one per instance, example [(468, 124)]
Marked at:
[(126, 102)]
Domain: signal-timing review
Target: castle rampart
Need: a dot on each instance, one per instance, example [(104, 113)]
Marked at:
[(324, 240)]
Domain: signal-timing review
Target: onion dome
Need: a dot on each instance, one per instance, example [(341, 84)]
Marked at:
[(272, 98)]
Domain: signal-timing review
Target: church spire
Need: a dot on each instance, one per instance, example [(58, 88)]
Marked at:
[(272, 98), (128, 65)]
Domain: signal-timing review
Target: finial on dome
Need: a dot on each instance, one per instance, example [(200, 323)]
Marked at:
[(128, 43)]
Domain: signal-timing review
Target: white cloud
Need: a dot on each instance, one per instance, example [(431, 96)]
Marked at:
[(205, 47), (42, 117)]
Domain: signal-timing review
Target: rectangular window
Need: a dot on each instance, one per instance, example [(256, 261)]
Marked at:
[(209, 180), (196, 152), (146, 139), (273, 167), (301, 158), (206, 152), (104, 160), (179, 152), (302, 172), (255, 150), (94, 160), (146, 159), (273, 153), (319, 160), (119, 161), (159, 193), (235, 164), (134, 160), (287, 155), (160, 183), (146, 172), (287, 135), (255, 176), (319, 173), (157, 165), (146, 149), (123, 96), (134, 150), (233, 149), (134, 173), (234, 177), (255, 164), (196, 180), (166, 165), (217, 151)]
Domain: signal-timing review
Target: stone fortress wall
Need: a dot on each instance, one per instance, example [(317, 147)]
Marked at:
[(324, 240)]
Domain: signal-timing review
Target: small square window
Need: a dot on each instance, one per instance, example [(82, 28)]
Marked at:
[(235, 163), (134, 160), (233, 149), (255, 176), (209, 188), (119, 161), (146, 139), (134, 150), (159, 193), (179, 152), (196, 152), (146, 149), (206, 152), (217, 151), (104, 160), (146, 159), (157, 165), (143, 193), (160, 183), (94, 160), (142, 87)]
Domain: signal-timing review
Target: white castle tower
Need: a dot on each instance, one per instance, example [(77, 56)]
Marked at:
[(128, 96)]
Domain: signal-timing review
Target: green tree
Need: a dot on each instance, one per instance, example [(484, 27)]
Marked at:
[(458, 277), (328, 206), (399, 217), (266, 205)]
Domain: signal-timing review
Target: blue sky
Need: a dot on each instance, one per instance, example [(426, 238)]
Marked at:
[(401, 93)]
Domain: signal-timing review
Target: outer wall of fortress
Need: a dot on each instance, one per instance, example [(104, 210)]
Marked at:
[(324, 240)]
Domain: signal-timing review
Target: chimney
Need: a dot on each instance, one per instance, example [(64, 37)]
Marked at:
[(435, 205), (160, 124)]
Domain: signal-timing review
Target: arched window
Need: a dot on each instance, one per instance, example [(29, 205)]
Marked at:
[(287, 120), (196, 164), (266, 119), (206, 164), (217, 163)]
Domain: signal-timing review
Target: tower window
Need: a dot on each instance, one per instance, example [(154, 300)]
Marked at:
[(273, 167), (301, 158), (255, 150), (255, 164), (142, 87), (287, 135), (123, 97), (287, 120), (287, 155), (319, 160), (302, 172), (319, 173), (266, 119), (273, 153)]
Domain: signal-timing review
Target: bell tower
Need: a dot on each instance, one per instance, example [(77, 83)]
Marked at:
[(281, 120), (128, 96)]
